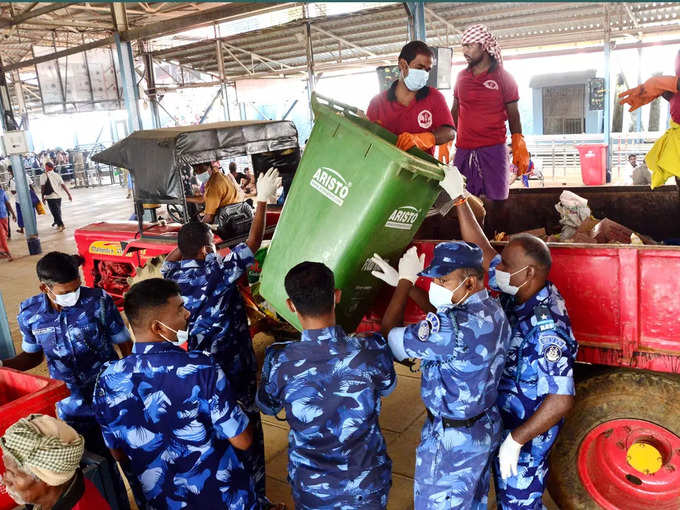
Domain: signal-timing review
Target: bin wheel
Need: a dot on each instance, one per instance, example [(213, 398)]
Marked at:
[(620, 447)]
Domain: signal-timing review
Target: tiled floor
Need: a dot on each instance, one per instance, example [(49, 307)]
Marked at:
[(402, 414)]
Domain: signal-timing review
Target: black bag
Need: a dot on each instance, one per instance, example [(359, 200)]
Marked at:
[(47, 188), (234, 220)]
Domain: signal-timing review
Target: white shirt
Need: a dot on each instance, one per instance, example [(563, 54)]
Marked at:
[(55, 180), (13, 184)]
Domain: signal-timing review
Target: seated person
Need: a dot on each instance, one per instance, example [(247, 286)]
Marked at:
[(219, 192), (42, 458)]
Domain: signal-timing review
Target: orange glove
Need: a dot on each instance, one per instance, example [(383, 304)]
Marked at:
[(648, 91), (423, 141), (444, 155), (520, 154)]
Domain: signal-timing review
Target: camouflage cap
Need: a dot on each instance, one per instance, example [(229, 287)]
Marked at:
[(453, 255)]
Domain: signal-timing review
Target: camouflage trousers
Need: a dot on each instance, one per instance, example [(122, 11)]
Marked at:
[(524, 491), (453, 464)]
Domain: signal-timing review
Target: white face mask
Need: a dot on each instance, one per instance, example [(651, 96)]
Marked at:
[(203, 178), (441, 296), (416, 79), (182, 335), (503, 281), (66, 300)]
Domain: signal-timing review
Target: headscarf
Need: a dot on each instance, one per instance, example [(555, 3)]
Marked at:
[(48, 448), (480, 34)]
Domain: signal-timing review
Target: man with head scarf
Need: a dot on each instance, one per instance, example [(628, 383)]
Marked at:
[(664, 157), (484, 97), (42, 457)]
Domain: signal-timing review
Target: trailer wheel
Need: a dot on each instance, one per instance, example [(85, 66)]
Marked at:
[(620, 447)]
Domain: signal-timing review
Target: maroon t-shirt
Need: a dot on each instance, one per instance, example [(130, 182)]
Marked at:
[(422, 115), (482, 101)]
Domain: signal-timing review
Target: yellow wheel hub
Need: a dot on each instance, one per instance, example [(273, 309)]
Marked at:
[(644, 458)]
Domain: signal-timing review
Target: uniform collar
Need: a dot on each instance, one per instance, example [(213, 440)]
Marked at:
[(318, 335), (154, 347), (527, 308)]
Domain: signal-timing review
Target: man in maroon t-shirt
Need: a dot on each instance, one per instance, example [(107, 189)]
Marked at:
[(418, 114), (484, 97)]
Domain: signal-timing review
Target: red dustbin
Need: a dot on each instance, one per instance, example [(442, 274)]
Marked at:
[(22, 394), (593, 163)]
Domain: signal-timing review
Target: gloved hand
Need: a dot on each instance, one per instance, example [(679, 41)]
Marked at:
[(411, 264), (453, 183), (267, 185), (520, 154), (648, 91), (387, 273), (444, 153), (508, 456), (423, 141)]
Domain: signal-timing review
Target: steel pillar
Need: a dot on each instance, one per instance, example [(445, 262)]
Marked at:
[(311, 85), (607, 88), (23, 194), (6, 344), (150, 78), (223, 80), (416, 20), (129, 83)]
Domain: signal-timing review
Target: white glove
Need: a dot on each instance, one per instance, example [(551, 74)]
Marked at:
[(387, 273), (508, 456), (410, 265), (453, 183), (267, 185)]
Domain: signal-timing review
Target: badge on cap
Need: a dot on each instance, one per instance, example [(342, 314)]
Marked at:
[(553, 353), (423, 331), (434, 322)]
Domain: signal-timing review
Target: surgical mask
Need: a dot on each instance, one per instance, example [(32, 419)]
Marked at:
[(66, 300), (503, 281), (441, 296), (182, 335), (203, 178), (416, 79)]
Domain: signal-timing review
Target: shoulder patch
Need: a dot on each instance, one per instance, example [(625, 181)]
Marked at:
[(434, 322), (553, 353), (423, 330)]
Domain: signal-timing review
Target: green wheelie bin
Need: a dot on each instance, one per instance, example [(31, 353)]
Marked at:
[(354, 194)]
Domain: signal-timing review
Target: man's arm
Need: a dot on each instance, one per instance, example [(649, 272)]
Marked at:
[(244, 439), (24, 361), (420, 297), (394, 315), (454, 112), (10, 209), (257, 227), (443, 134), (551, 411), (197, 199), (67, 191), (513, 117), (473, 233)]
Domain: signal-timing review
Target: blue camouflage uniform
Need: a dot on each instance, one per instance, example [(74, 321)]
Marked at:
[(76, 341), (172, 413), (218, 324), (462, 349), (331, 385), (540, 362)]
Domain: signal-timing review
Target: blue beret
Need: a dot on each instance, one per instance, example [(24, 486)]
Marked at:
[(451, 256)]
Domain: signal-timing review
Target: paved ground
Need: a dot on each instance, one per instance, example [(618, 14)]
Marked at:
[(403, 412)]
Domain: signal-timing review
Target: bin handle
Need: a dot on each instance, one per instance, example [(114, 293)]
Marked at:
[(335, 105)]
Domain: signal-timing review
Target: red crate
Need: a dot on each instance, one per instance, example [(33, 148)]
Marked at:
[(22, 394)]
